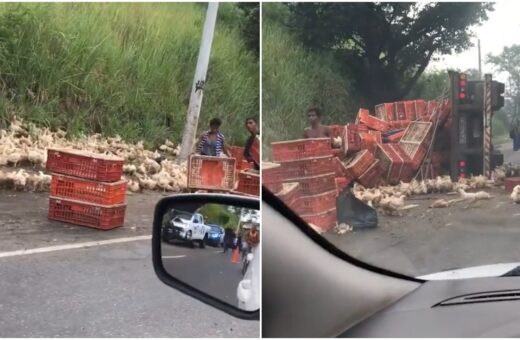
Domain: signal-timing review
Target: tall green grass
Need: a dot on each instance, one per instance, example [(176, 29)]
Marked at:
[(295, 79), (122, 68)]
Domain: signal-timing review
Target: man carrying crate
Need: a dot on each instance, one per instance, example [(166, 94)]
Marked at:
[(213, 142)]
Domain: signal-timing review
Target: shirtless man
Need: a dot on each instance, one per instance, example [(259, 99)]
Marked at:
[(316, 129)]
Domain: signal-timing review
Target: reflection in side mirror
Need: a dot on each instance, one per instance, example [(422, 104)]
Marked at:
[(214, 248)]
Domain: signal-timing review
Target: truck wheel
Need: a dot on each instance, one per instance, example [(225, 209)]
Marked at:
[(188, 236), (202, 243)]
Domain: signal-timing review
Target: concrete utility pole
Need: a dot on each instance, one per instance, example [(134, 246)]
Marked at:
[(479, 62), (192, 119)]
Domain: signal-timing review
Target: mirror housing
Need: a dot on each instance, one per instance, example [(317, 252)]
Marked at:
[(197, 200)]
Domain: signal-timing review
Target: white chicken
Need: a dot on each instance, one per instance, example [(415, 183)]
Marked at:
[(515, 195)]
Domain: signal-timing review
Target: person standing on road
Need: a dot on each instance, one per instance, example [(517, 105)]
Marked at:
[(229, 237), (316, 129), (515, 135), (251, 149), (213, 142)]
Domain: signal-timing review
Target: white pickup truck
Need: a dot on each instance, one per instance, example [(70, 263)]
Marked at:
[(187, 227)]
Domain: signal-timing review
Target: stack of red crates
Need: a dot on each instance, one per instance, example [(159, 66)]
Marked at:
[(86, 189), (312, 165)]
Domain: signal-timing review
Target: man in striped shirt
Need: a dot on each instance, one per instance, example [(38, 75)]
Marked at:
[(213, 142)]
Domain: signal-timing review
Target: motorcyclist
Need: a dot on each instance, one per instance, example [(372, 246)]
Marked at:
[(248, 290)]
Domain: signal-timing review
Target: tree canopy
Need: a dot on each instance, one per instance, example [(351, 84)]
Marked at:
[(387, 46), (509, 62)]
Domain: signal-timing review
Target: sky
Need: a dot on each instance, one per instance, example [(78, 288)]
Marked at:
[(501, 29)]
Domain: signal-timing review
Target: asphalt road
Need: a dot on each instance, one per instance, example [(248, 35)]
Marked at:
[(102, 291), (208, 269), (426, 240)]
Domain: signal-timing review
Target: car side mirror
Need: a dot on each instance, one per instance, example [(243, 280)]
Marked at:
[(217, 262)]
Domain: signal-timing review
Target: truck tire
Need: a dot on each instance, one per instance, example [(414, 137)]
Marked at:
[(202, 243), (190, 241)]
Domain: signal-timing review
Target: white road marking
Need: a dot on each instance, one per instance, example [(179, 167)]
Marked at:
[(74, 246), (173, 256)]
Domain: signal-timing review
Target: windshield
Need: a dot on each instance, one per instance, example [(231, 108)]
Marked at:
[(390, 156), (216, 230), (182, 214)]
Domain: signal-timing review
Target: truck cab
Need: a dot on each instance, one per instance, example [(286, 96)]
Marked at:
[(185, 226)]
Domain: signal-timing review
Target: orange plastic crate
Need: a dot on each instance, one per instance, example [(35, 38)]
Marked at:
[(409, 110), (88, 191), (102, 217), (211, 173), (351, 141), (272, 176), (300, 148), (420, 108), (372, 121), (316, 204), (385, 111), (357, 165), (87, 165), (315, 184), (373, 176), (325, 220), (307, 167), (249, 183), (400, 111), (290, 195)]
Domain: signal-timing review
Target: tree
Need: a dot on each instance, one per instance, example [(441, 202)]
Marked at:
[(251, 25), (387, 46), (509, 62)]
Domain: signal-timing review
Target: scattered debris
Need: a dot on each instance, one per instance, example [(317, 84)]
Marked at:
[(343, 228)]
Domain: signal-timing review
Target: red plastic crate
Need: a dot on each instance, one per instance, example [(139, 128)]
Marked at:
[(102, 217), (389, 162), (249, 183), (377, 136), (415, 151), (87, 165), (290, 195), (336, 130), (371, 121), (385, 111), (350, 140), (317, 184), (211, 173), (409, 110), (407, 171), (373, 176), (511, 182), (396, 137), (300, 148), (272, 176), (420, 108), (88, 191), (358, 164), (418, 132), (315, 204), (399, 124), (308, 167), (237, 152), (324, 221), (400, 111)]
